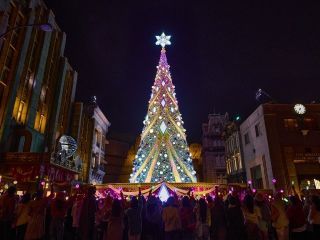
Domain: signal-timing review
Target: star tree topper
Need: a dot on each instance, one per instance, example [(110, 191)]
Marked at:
[(163, 40)]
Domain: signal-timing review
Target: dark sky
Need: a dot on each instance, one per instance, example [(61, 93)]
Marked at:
[(221, 53)]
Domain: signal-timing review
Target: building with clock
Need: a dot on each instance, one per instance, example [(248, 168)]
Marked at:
[(281, 146)]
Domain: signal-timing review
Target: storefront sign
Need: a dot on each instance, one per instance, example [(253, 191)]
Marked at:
[(30, 173)]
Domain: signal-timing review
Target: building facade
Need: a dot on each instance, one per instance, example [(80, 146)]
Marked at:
[(236, 172), (281, 147), (196, 151), (89, 128), (125, 154), (37, 83), (213, 149)]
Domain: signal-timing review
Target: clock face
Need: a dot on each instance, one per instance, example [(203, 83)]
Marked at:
[(300, 109)]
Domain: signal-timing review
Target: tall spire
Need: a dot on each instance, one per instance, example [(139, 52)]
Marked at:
[(163, 59)]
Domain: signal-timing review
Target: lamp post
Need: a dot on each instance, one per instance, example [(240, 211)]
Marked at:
[(46, 27)]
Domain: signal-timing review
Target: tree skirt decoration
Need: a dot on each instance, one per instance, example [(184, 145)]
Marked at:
[(181, 189)]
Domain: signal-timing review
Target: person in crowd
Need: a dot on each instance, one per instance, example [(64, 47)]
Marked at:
[(87, 215), (171, 220), (307, 204), (265, 220), (22, 216), (188, 222), (134, 217), (210, 205), (153, 223), (297, 220), (114, 230), (58, 209), (37, 215), (252, 218), (235, 220), (314, 216), (218, 219), (75, 212), (203, 220), (279, 218), (68, 229), (107, 207), (102, 214), (8, 203)]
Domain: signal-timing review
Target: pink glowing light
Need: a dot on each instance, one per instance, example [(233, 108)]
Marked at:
[(254, 190), (274, 181), (77, 185), (249, 182), (43, 183), (281, 191)]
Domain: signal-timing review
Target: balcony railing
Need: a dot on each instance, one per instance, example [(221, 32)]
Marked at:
[(72, 163)]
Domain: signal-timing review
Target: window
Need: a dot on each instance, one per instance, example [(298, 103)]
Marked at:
[(5, 75), (309, 123), (237, 142), (308, 150), (235, 163), (257, 177), (228, 166), (240, 162), (20, 109), (9, 59), (246, 139), (1, 93), (257, 130), (290, 123)]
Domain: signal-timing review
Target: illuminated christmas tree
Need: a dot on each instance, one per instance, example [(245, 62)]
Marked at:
[(163, 154)]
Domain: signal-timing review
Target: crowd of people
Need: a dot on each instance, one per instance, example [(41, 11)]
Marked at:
[(84, 216)]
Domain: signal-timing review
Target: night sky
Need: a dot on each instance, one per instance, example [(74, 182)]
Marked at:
[(221, 53)]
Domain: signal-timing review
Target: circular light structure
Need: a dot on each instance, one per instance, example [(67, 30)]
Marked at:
[(67, 145)]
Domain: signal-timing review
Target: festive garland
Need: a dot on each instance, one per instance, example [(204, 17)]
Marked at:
[(153, 189)]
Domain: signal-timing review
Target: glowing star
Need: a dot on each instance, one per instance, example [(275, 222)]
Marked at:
[(163, 40)]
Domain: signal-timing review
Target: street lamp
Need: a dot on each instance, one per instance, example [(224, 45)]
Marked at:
[(46, 27)]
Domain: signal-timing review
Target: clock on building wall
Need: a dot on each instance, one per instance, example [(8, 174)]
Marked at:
[(299, 109)]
